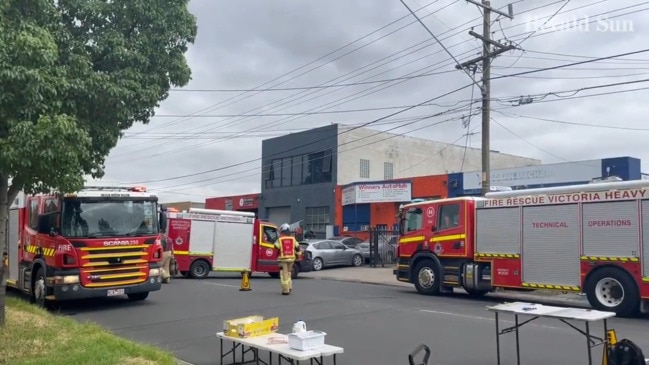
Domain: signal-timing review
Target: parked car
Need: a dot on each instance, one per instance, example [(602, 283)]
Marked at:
[(387, 248), (346, 240), (327, 253)]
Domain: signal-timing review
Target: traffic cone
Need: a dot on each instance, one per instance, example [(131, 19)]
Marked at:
[(245, 281)]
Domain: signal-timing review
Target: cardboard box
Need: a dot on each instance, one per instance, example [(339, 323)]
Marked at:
[(250, 326)]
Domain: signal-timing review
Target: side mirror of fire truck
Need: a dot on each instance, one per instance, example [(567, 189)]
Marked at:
[(163, 221)]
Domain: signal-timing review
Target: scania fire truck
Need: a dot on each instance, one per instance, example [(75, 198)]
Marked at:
[(98, 242), (206, 240), (591, 238)]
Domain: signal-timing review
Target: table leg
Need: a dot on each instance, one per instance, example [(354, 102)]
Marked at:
[(606, 344), (518, 345), (588, 339), (497, 340)]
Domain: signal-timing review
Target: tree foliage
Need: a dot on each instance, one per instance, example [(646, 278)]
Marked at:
[(75, 74)]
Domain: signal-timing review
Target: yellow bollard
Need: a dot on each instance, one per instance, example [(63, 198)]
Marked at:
[(245, 281)]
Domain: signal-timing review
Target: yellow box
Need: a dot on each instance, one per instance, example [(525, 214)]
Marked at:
[(250, 326)]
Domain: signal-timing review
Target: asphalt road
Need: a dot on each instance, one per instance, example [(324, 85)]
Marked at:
[(375, 324)]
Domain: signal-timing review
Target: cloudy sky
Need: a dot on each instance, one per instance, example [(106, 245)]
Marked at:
[(383, 60)]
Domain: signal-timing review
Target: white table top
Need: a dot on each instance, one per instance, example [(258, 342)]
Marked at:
[(540, 310), (278, 343)]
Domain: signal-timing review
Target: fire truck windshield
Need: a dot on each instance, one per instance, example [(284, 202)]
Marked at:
[(114, 218)]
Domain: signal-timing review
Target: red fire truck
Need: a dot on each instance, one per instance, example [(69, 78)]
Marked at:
[(98, 242), (206, 240), (591, 238)]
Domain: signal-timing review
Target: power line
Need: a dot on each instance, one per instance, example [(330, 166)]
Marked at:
[(211, 181), (266, 126), (220, 104), (420, 48), (579, 124), (388, 116), (526, 141), (295, 88), (307, 144)]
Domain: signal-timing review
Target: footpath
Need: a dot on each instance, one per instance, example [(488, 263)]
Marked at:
[(383, 276)]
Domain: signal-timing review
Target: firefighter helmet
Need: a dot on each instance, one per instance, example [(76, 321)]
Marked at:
[(285, 228)]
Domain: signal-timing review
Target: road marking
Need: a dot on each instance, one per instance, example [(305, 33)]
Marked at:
[(487, 319), (225, 285)]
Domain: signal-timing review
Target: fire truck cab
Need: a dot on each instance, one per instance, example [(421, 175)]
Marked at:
[(591, 238), (206, 240), (98, 242)]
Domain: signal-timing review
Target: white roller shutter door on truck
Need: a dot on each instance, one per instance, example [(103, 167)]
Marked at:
[(551, 252), (611, 229), (645, 239), (12, 243), (498, 231)]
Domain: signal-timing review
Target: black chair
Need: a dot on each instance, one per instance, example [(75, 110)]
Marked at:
[(420, 348)]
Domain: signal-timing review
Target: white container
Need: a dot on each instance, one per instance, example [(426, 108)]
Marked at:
[(304, 341), (299, 327)]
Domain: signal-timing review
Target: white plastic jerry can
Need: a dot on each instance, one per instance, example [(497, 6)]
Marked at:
[(299, 327)]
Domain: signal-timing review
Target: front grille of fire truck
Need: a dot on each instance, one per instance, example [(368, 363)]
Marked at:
[(114, 266)]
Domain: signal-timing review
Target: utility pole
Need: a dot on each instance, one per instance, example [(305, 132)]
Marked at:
[(487, 56)]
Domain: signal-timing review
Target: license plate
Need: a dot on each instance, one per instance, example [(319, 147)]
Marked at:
[(113, 292)]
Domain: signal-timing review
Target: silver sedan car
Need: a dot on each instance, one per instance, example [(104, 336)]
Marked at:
[(327, 253)]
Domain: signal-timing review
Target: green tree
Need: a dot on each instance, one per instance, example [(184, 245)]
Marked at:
[(75, 74)]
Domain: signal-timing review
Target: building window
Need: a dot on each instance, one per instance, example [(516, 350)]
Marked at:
[(365, 169), (296, 173), (388, 171), (312, 168), (286, 171), (275, 175), (316, 219)]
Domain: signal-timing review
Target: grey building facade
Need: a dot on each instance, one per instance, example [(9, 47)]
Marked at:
[(299, 175)]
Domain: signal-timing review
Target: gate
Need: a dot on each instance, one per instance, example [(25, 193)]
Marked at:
[(383, 246)]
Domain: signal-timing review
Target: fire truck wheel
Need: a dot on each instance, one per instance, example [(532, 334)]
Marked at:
[(39, 290), (273, 275), (612, 289), (199, 269), (136, 297), (427, 278)]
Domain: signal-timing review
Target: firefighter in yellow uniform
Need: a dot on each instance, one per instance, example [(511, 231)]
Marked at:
[(288, 248)]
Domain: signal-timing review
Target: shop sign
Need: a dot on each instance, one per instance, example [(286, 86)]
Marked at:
[(377, 193), (568, 172)]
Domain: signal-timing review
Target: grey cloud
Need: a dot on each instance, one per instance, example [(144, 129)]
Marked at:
[(242, 44)]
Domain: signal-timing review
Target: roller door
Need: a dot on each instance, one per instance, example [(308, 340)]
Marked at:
[(279, 215)]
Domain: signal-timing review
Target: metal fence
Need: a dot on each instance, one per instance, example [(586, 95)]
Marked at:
[(383, 246)]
